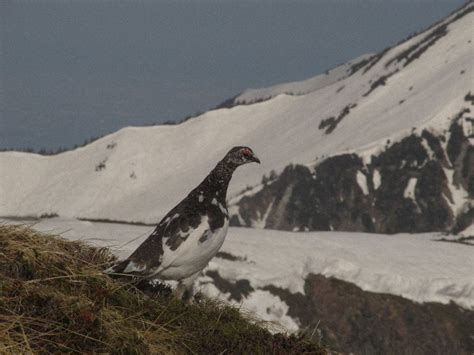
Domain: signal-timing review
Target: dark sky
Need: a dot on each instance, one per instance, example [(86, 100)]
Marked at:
[(70, 70)]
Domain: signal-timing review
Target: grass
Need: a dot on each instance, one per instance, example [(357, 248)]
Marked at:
[(54, 298)]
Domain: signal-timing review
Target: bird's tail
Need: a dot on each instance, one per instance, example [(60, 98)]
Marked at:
[(118, 268)]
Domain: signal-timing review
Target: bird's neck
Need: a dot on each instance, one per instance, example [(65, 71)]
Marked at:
[(217, 181)]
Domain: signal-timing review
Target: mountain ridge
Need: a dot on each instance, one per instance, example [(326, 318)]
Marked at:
[(139, 173)]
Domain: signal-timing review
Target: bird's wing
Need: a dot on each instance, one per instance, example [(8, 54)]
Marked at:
[(173, 230)]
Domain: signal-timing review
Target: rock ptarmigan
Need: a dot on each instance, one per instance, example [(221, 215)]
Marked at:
[(191, 233)]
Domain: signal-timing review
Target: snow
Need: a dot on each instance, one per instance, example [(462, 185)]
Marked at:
[(469, 231), (428, 149), (262, 220), (410, 265), (302, 87), (459, 197), (362, 181), (147, 170), (271, 309), (260, 303), (410, 189), (377, 179), (250, 191)]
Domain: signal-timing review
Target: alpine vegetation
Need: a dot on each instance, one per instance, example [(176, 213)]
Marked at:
[(55, 299)]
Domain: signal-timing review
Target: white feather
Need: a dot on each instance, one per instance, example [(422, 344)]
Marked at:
[(192, 255)]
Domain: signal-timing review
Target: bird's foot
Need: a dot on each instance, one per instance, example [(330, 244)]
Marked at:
[(183, 293)]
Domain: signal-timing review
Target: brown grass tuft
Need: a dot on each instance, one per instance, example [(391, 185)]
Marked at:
[(54, 298)]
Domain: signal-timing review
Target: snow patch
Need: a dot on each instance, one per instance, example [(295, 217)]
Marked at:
[(460, 197), (270, 308), (428, 149), (468, 232), (261, 222), (362, 181), (249, 191), (376, 179), (410, 189)]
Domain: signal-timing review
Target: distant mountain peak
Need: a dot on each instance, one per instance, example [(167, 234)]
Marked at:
[(138, 173)]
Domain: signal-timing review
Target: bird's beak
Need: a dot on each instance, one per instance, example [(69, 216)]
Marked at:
[(255, 159)]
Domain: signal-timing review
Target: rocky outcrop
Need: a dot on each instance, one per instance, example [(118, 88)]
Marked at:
[(424, 182), (361, 322), (350, 320)]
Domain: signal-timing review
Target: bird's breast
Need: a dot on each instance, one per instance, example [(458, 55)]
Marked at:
[(194, 253)]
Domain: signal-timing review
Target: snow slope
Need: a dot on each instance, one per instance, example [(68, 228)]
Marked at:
[(301, 87), (139, 173), (413, 266)]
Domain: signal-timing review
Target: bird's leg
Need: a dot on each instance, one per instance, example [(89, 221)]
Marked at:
[(184, 290), (179, 291)]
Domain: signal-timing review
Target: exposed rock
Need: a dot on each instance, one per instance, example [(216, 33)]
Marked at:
[(404, 188), (229, 256), (353, 320), (463, 221), (417, 49), (330, 124), (237, 290)]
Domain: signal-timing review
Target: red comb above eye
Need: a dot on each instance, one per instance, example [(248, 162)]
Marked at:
[(246, 151)]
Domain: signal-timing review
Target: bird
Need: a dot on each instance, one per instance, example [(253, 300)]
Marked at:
[(191, 233)]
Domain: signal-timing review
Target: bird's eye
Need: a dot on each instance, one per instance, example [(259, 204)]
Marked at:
[(246, 152)]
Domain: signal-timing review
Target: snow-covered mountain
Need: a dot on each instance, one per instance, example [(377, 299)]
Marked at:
[(302, 87), (424, 182), (139, 173)]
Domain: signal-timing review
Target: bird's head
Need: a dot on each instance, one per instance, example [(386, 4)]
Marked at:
[(241, 156)]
